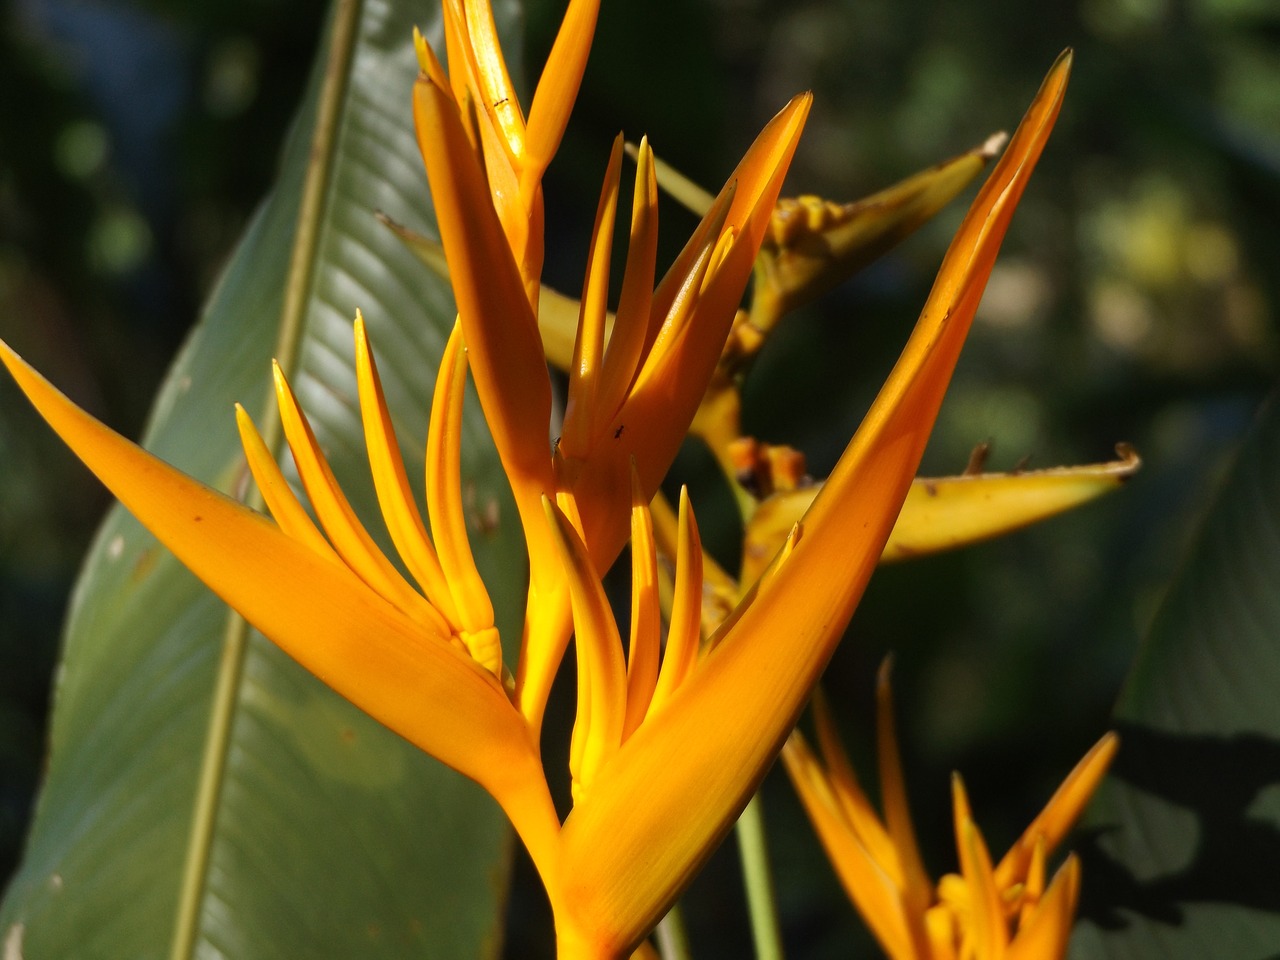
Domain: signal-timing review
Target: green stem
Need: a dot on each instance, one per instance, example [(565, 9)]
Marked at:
[(236, 636), (756, 878), (673, 940)]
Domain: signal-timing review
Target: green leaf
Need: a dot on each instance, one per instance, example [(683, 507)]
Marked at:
[(1185, 860), (204, 795)]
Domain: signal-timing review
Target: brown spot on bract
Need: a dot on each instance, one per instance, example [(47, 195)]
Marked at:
[(347, 735)]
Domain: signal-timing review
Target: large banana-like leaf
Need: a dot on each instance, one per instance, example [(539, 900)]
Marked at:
[(1185, 859), (204, 796)]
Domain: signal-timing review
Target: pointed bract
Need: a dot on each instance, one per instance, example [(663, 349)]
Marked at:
[(498, 324), (653, 419), (391, 667)]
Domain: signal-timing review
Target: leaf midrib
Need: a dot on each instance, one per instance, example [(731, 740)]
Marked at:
[(297, 296)]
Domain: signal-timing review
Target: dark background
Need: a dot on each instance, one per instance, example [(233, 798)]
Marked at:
[(1136, 299)]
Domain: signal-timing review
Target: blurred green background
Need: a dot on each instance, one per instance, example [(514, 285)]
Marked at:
[(1136, 299)]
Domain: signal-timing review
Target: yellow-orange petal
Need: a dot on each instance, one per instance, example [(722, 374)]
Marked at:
[(315, 609), (504, 186), (548, 625), (680, 188), (276, 492), (868, 886), (757, 177), (668, 327), (940, 514), (720, 593), (444, 490), (1032, 885), (683, 632), (1047, 931), (987, 923), (345, 531), (498, 324), (1063, 809), (495, 90), (946, 513), (427, 61), (391, 483), (856, 808), (463, 80), (626, 344), (646, 615), (557, 313), (751, 192), (940, 930), (914, 389), (917, 889), (597, 478), (961, 813), (653, 420), (602, 682), (581, 411), (557, 90)]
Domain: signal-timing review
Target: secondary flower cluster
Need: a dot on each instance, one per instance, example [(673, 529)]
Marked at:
[(987, 909)]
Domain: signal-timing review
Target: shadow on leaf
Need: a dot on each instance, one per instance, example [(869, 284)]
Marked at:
[(1183, 822)]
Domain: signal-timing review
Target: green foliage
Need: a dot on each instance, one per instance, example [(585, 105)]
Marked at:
[(1187, 830), (326, 835)]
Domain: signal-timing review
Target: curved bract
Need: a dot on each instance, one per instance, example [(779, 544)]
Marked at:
[(942, 513), (666, 748)]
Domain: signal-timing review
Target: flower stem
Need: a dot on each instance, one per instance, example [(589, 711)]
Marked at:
[(756, 878), (673, 941), (191, 893)]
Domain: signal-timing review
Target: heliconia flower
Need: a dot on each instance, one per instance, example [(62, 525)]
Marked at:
[(987, 911), (632, 394), (811, 245), (666, 748)]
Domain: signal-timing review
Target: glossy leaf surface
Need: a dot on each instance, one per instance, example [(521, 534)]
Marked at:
[(1186, 833), (305, 829)]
